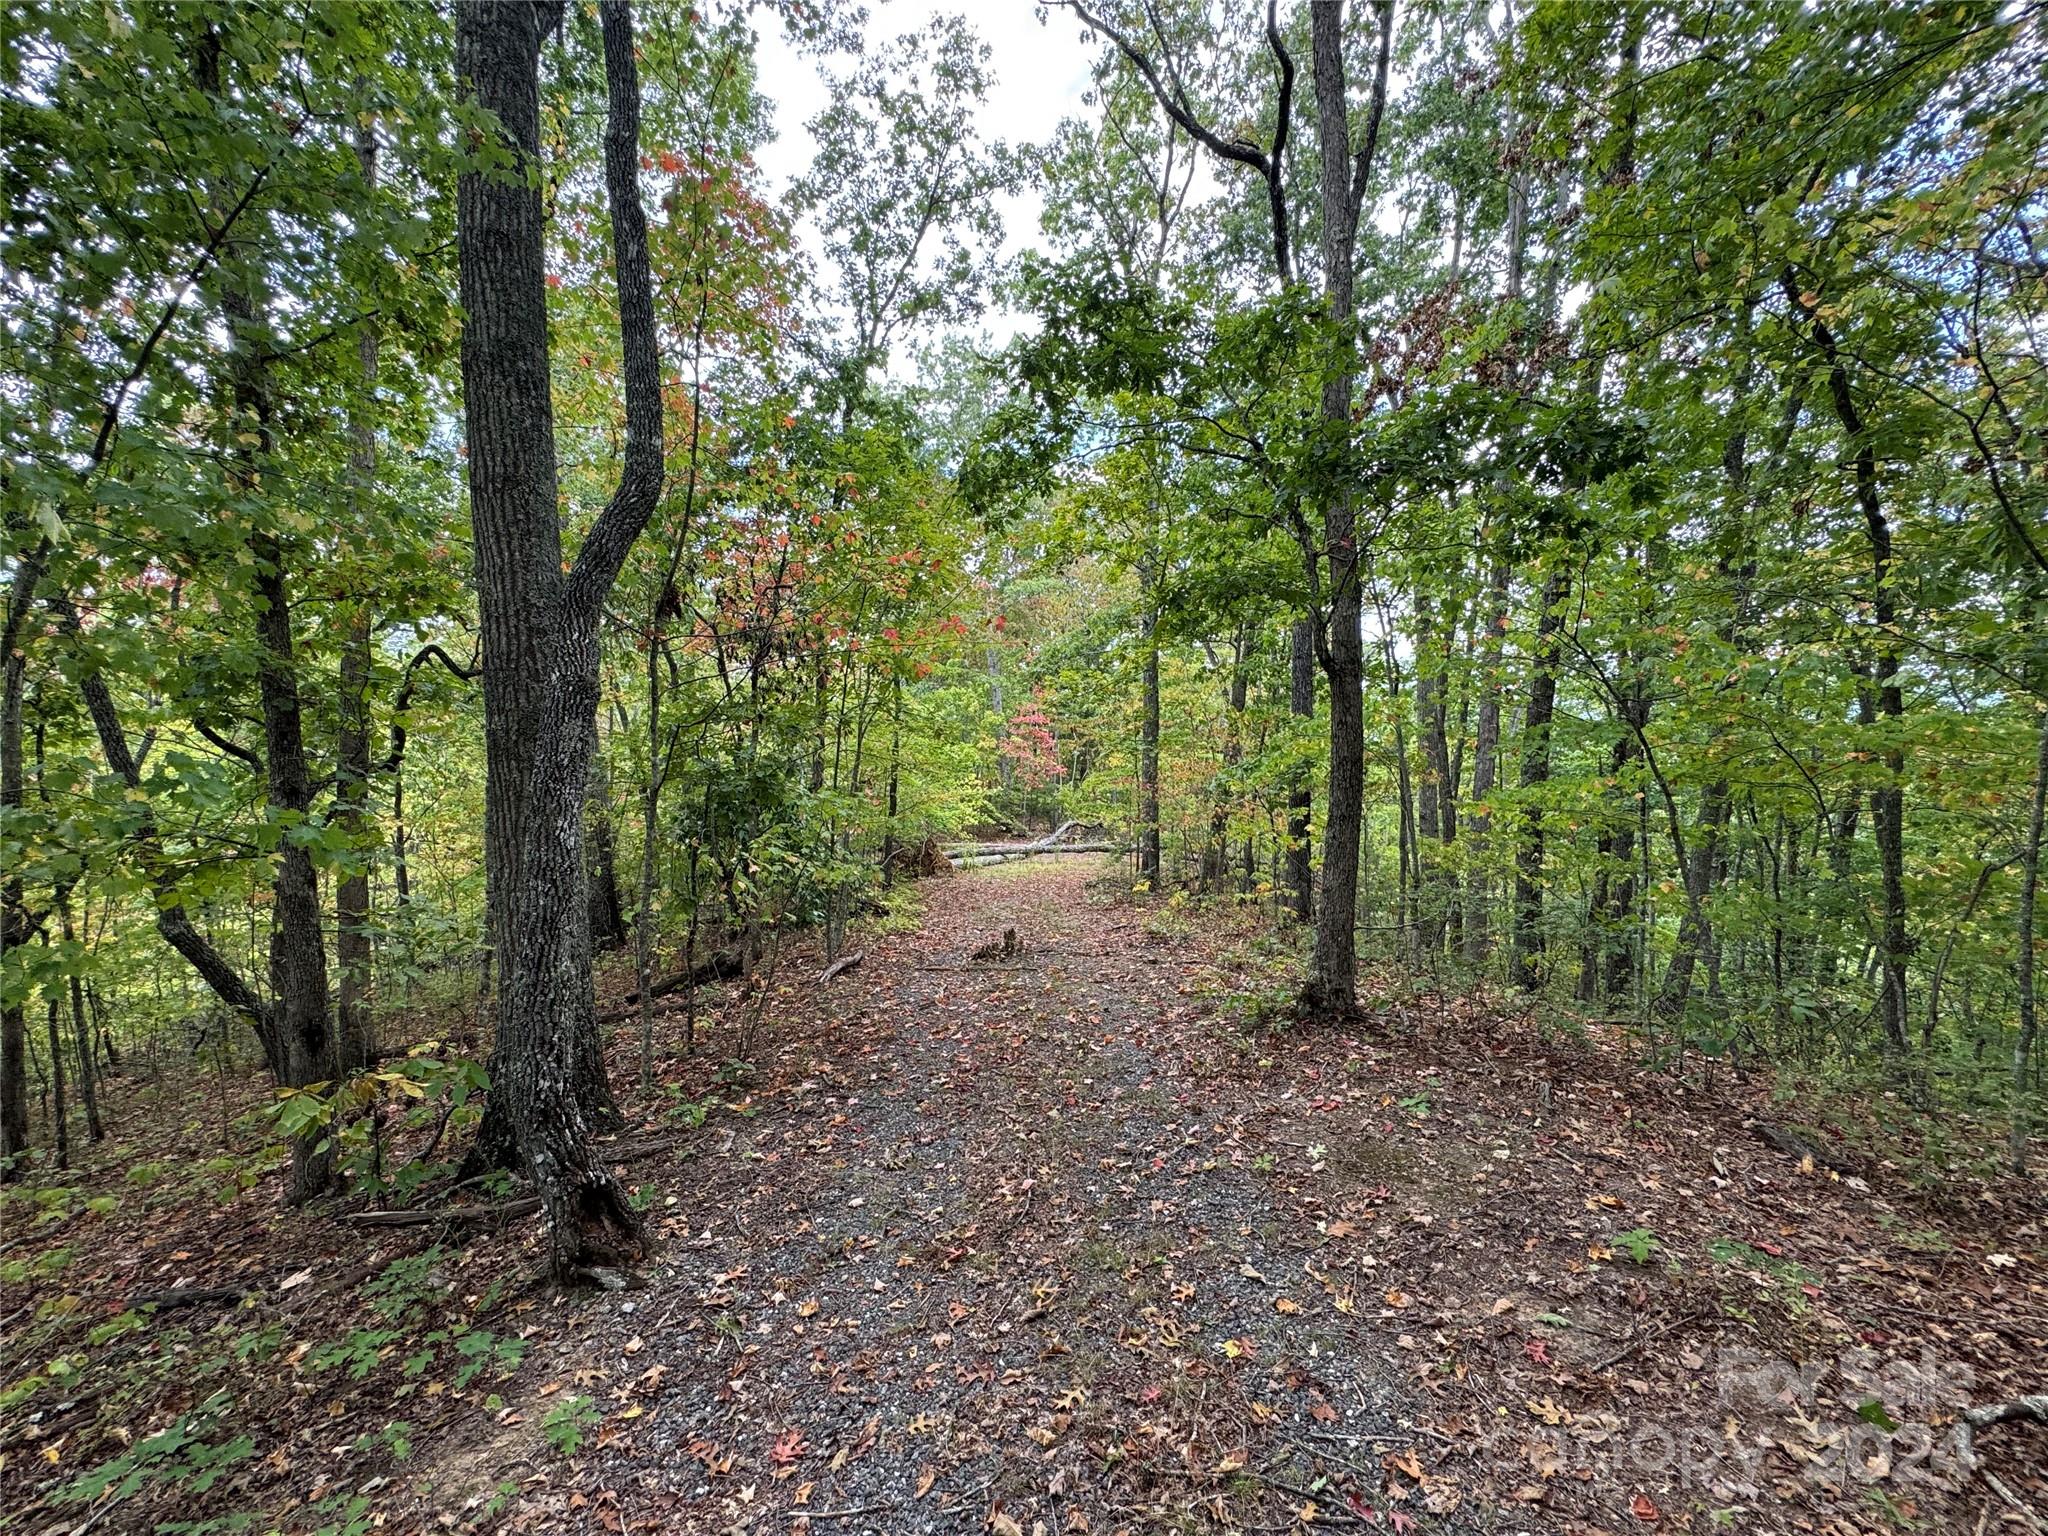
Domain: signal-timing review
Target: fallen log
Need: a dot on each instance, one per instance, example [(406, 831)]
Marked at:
[(972, 850), (841, 966), (722, 965), (1024, 851)]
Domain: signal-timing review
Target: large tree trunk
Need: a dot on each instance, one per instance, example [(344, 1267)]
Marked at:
[(541, 657), (510, 417)]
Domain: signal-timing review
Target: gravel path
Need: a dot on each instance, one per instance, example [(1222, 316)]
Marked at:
[(989, 1258)]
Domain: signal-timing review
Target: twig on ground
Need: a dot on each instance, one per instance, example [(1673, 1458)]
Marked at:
[(1650, 1337), (842, 965), (2033, 1406)]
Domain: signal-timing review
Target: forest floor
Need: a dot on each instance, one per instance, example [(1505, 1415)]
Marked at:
[(1065, 1241)]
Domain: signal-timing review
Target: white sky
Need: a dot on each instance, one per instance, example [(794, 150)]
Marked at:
[(1041, 72)]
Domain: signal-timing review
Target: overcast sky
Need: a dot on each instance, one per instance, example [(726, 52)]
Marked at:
[(1041, 71)]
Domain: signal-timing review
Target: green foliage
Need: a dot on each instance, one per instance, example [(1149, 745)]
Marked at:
[(186, 1457), (567, 1422), (1639, 1243)]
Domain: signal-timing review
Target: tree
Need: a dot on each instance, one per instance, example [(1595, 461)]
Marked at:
[(540, 623)]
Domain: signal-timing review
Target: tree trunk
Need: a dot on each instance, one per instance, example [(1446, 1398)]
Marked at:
[(542, 657), (1528, 932), (1888, 799), (60, 1111), (2030, 890), (607, 909), (1331, 995), (298, 949), (355, 1041), (1148, 739), (1697, 871), (88, 1074), (1485, 771), (509, 411), (15, 921), (1301, 703)]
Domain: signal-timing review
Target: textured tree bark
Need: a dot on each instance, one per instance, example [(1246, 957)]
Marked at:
[(541, 658), (510, 415), (509, 409), (1528, 934), (1331, 994)]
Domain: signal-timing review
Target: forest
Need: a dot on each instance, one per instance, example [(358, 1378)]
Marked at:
[(1115, 766)]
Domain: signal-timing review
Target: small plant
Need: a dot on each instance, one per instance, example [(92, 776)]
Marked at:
[(564, 1425), (402, 1290), (395, 1438), (1639, 1243), (181, 1457), (686, 1111), (359, 1353), (734, 1071)]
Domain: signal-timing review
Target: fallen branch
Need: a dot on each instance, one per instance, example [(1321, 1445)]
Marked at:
[(497, 1210), (841, 966), (2034, 1406), (525, 1205), (721, 965), (1641, 1339), (190, 1296)]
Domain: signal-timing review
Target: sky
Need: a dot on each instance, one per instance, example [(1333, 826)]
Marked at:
[(1041, 70)]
